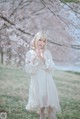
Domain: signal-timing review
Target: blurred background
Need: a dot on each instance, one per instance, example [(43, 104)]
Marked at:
[(21, 19)]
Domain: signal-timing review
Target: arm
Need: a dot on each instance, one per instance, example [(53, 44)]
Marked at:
[(30, 64), (49, 64)]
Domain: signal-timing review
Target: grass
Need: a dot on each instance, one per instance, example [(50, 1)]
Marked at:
[(14, 85), (78, 73)]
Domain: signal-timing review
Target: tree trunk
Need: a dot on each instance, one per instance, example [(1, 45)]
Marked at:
[(1, 50)]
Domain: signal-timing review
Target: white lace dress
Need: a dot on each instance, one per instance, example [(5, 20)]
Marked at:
[(42, 91)]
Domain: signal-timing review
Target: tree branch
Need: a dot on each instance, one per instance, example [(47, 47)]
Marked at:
[(11, 23), (70, 7), (16, 8), (5, 19), (77, 47)]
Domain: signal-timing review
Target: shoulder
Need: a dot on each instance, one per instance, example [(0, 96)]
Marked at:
[(30, 52), (48, 54), (47, 51)]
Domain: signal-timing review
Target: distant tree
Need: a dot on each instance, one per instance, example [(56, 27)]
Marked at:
[(1, 52), (8, 52)]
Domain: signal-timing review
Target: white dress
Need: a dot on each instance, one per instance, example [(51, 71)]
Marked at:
[(42, 91)]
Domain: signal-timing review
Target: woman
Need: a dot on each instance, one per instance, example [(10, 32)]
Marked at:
[(42, 92)]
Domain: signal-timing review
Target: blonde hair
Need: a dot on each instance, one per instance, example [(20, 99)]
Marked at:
[(37, 37)]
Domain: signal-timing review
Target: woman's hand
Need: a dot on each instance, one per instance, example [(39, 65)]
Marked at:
[(39, 54)]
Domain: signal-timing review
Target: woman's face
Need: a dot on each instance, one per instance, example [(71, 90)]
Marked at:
[(41, 44)]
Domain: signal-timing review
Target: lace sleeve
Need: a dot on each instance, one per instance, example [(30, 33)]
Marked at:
[(29, 66)]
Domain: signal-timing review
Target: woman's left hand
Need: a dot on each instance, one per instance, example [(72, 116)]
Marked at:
[(42, 57)]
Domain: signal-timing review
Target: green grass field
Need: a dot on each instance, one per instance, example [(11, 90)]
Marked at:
[(14, 85)]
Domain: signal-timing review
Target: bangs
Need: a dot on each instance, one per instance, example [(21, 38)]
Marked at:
[(41, 37)]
